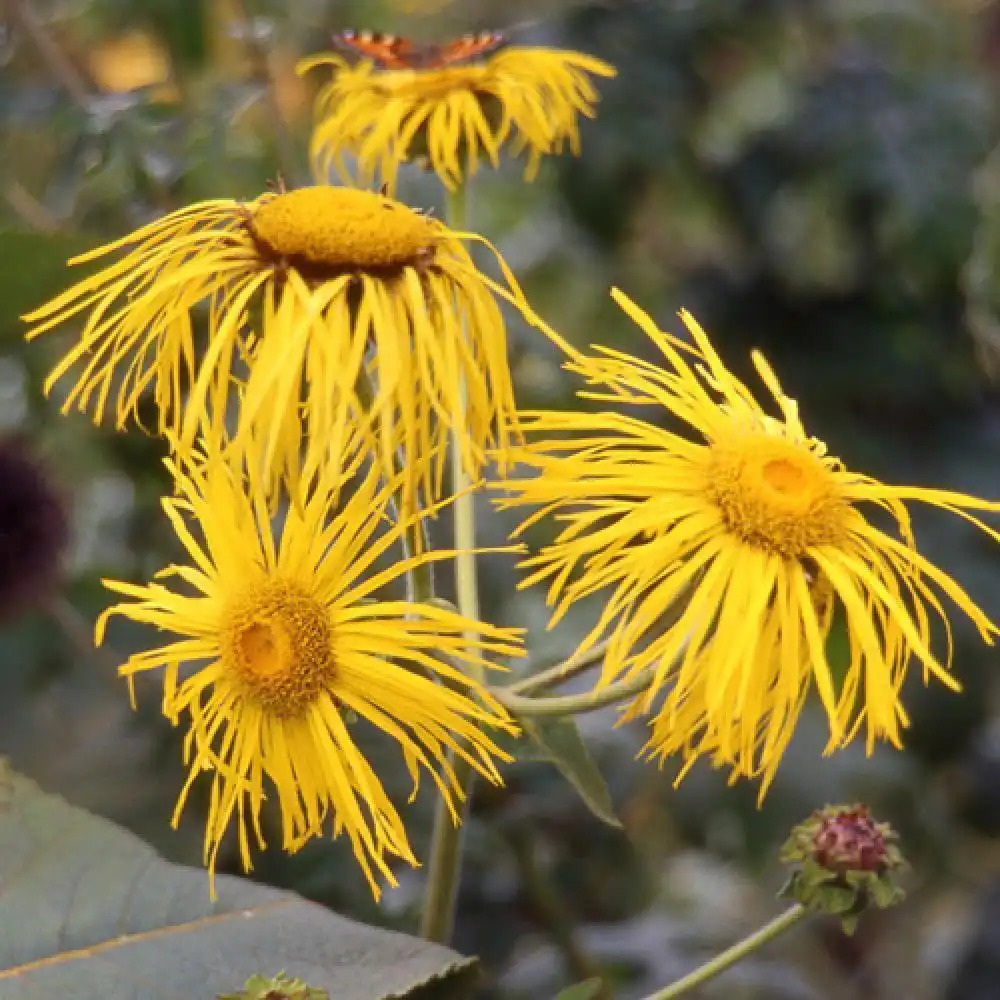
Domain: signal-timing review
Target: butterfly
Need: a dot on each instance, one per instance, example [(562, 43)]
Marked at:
[(396, 52)]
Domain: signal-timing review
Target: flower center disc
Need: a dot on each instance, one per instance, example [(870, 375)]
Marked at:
[(430, 84), (775, 494), (277, 644), (342, 229)]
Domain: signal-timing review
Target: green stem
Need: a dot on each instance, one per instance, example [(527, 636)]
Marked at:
[(466, 583), (456, 209), (574, 704), (560, 672), (444, 868), (732, 955)]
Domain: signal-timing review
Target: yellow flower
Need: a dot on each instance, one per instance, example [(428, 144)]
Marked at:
[(131, 61), (530, 97), (279, 641), (727, 547), (304, 289)]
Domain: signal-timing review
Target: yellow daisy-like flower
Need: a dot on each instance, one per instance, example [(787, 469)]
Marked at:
[(454, 115), (727, 547), (280, 639), (302, 291)]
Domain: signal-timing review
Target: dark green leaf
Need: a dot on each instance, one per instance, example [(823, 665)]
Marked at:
[(559, 742), (89, 911)]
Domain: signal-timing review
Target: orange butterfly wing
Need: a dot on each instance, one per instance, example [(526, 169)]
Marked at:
[(396, 52)]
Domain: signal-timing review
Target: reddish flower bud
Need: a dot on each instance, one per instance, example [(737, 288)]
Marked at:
[(846, 862), (850, 840)]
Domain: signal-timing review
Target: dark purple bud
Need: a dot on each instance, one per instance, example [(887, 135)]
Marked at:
[(34, 529)]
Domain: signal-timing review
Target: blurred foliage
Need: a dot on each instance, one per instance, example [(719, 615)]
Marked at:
[(817, 178)]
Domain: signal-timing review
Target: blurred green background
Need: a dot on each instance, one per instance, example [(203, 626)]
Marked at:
[(816, 178)]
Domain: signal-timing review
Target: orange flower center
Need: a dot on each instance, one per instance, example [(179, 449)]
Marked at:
[(775, 494), (277, 643)]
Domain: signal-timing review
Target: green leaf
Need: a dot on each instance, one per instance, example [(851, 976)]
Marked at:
[(559, 742), (88, 911), (586, 990)]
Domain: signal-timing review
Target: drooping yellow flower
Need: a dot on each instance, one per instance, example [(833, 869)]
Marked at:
[(280, 637), (299, 292), (727, 545), (454, 115)]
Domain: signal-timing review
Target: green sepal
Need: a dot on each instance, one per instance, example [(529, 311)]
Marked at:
[(837, 900), (281, 987), (884, 893)]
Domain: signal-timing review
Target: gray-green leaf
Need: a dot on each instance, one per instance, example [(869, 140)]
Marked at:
[(558, 741), (88, 911)]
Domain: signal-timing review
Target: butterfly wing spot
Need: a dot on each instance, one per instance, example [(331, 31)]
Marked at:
[(471, 46), (395, 52)]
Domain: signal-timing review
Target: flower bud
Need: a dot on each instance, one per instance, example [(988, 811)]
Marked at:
[(846, 863)]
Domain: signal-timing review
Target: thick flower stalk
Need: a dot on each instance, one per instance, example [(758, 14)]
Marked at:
[(727, 542), (452, 116), (298, 293), (278, 638)]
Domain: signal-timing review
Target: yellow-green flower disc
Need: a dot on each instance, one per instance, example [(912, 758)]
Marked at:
[(271, 641), (528, 98), (726, 547), (300, 293)]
